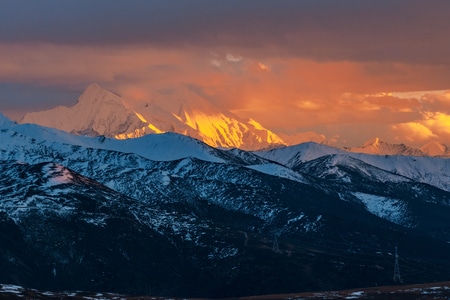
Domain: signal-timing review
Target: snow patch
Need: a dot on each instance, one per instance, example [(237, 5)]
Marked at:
[(165, 179), (11, 288), (279, 171), (183, 167), (355, 295), (295, 219), (389, 209), (56, 174)]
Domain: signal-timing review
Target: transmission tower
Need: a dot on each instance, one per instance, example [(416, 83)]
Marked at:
[(275, 247), (397, 277)]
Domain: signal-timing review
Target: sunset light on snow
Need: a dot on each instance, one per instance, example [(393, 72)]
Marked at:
[(225, 149), (346, 70)]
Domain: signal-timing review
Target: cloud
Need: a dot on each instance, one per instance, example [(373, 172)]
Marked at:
[(233, 58), (438, 122), (293, 93), (15, 97), (309, 105), (432, 126), (413, 132), (410, 31), (291, 65)]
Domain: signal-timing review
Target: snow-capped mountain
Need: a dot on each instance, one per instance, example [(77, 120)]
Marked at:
[(435, 149), (166, 214), (97, 112), (160, 147), (376, 146), (383, 193), (430, 170), (290, 156), (179, 110)]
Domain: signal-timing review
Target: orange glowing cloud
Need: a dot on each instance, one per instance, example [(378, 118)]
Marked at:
[(412, 132), (432, 126), (285, 94), (438, 122), (292, 65)]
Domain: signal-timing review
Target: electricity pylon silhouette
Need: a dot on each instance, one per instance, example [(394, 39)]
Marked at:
[(275, 246), (397, 277)]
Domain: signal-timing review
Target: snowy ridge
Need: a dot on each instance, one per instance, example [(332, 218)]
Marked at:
[(184, 157), (142, 178), (435, 149), (378, 147), (431, 170), (166, 147), (291, 156), (279, 171), (5, 122), (375, 146), (159, 147), (339, 166)]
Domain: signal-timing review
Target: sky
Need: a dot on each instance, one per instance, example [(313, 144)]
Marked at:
[(349, 70)]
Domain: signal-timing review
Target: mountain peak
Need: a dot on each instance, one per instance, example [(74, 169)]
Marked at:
[(435, 148), (95, 93), (92, 89), (372, 142), (376, 146), (93, 86), (97, 112)]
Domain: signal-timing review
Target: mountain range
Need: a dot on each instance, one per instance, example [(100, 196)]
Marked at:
[(168, 215), (179, 110), (99, 112), (376, 146)]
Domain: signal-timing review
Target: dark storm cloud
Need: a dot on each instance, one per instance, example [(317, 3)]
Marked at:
[(34, 97), (404, 30), (15, 96)]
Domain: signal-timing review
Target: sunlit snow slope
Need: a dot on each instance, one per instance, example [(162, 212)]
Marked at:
[(100, 112)]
